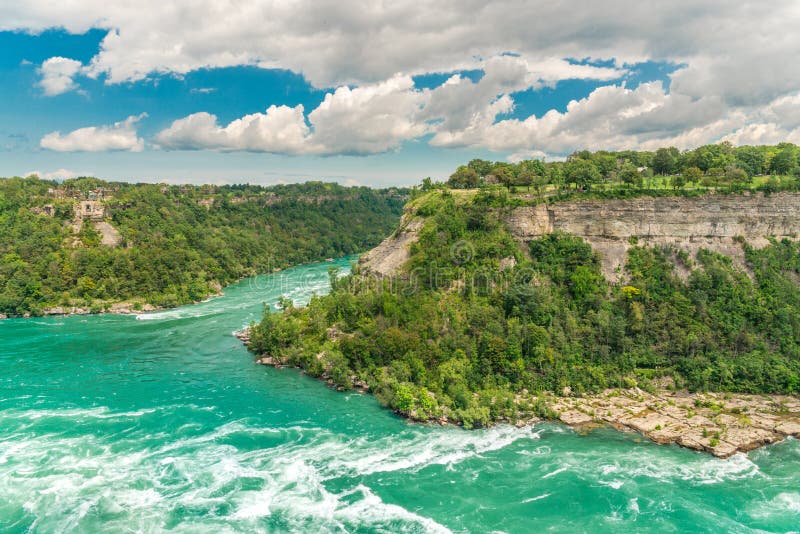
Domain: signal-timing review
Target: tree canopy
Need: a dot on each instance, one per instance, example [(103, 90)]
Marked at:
[(718, 166), (178, 243)]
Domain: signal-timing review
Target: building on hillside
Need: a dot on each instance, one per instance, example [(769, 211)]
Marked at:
[(92, 210)]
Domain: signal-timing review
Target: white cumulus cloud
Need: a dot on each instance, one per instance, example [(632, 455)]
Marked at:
[(363, 120), (738, 77), (58, 75), (118, 136), (611, 117), (280, 129), (739, 50), (369, 119)]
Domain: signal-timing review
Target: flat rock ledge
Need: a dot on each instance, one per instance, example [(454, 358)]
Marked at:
[(718, 423)]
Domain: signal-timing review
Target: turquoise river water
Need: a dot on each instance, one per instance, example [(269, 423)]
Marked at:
[(162, 422)]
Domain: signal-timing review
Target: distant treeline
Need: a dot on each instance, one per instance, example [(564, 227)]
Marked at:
[(710, 166), (178, 244)]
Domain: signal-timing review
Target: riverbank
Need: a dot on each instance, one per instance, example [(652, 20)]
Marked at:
[(721, 424), (118, 308), (138, 305), (125, 307)]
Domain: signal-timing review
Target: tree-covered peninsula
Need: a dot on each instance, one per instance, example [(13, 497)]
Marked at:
[(477, 324), (88, 244)]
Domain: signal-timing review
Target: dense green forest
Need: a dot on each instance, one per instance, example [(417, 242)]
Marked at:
[(177, 244), (710, 167), (472, 339)]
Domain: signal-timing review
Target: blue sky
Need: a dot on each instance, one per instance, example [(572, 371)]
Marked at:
[(27, 115), (375, 98)]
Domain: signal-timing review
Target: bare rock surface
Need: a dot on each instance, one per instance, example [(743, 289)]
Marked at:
[(721, 424), (110, 235), (393, 252), (129, 308), (712, 222)]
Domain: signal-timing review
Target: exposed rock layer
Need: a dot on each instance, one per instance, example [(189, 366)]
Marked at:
[(110, 235), (712, 222), (387, 258)]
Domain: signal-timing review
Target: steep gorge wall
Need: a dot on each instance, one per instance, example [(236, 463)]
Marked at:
[(712, 222)]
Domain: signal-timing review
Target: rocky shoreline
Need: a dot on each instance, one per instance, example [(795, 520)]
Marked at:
[(718, 423), (116, 308), (721, 424)]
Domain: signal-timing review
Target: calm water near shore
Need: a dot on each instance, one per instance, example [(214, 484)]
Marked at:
[(162, 422)]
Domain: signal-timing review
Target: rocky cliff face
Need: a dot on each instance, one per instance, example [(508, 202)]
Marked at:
[(389, 256), (712, 222)]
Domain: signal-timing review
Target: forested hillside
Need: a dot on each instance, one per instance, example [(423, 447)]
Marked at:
[(478, 323), (170, 244)]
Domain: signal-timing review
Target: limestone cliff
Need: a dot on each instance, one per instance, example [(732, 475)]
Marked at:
[(389, 256), (712, 222)]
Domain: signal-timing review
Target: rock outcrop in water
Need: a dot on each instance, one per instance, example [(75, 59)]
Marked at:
[(722, 424)]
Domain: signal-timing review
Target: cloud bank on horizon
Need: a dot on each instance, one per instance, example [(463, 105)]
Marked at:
[(446, 74)]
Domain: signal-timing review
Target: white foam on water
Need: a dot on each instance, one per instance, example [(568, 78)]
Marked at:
[(702, 470), (544, 450), (554, 473), (783, 505), (614, 484), (205, 308), (185, 312), (445, 447), (537, 498), (789, 502), (299, 291), (137, 499), (608, 469), (71, 483), (371, 510), (101, 412), (75, 483), (633, 505), (649, 462)]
